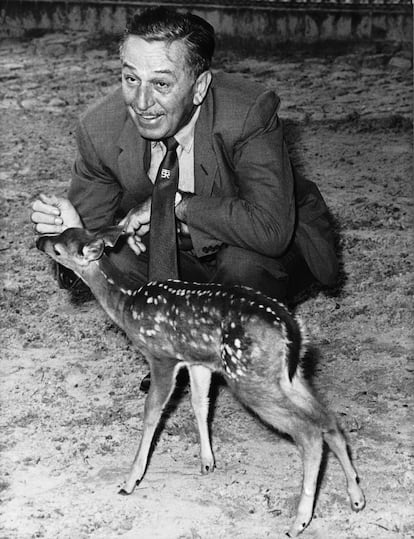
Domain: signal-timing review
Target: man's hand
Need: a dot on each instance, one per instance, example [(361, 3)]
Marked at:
[(137, 223), (53, 215), (181, 207)]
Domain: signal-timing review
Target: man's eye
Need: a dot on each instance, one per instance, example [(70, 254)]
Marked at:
[(162, 85), (130, 79)]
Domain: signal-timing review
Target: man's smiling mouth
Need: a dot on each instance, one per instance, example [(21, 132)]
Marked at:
[(146, 117), (149, 117)]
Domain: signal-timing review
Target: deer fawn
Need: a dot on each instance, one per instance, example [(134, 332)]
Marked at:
[(251, 339)]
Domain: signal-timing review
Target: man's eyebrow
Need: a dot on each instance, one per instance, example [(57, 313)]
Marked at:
[(157, 71), (128, 65)]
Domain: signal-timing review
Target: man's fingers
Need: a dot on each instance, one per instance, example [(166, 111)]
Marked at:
[(42, 228), (142, 247), (136, 245), (45, 218), (47, 207), (50, 200), (42, 207), (143, 229), (133, 225), (183, 229), (128, 224), (137, 218), (52, 203)]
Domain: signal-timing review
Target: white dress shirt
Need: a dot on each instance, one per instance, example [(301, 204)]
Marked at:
[(185, 154)]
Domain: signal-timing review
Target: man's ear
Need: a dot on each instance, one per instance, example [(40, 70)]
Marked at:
[(110, 235), (201, 87), (93, 250)]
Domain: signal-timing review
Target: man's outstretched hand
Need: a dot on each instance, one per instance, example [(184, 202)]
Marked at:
[(137, 224), (53, 215)]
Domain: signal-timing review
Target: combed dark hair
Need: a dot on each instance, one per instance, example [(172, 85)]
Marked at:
[(166, 24)]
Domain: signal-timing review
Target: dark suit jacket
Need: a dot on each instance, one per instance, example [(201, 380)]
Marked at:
[(246, 192)]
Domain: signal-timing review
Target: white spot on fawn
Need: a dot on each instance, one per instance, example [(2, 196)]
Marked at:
[(228, 349), (127, 292)]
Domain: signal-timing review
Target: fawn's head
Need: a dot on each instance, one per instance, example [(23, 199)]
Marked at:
[(76, 248)]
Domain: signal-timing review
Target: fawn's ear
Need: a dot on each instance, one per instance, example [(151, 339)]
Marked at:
[(93, 250), (110, 235)]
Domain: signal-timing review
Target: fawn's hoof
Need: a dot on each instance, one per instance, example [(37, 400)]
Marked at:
[(356, 497), (358, 505), (296, 531), (126, 491), (207, 468), (300, 523)]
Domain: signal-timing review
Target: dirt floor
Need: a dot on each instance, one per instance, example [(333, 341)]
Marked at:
[(71, 406)]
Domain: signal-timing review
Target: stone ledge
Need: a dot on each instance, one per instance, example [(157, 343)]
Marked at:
[(253, 21)]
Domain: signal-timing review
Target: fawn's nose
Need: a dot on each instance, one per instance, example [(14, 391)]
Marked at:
[(40, 243)]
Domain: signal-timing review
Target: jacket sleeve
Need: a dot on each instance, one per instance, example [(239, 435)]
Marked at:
[(94, 190), (261, 215)]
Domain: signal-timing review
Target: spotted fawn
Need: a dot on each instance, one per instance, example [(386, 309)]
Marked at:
[(250, 339)]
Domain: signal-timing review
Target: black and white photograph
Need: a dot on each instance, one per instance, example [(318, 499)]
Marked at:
[(206, 269)]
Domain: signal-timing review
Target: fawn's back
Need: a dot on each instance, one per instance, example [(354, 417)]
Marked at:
[(236, 331)]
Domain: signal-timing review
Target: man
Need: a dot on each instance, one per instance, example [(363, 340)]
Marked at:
[(243, 216)]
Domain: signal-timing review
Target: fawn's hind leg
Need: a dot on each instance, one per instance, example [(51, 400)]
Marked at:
[(336, 442), (308, 438), (200, 378), (162, 385)]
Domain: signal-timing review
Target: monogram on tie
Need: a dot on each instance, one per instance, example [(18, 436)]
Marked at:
[(163, 262)]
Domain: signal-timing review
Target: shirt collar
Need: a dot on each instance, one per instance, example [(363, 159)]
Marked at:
[(185, 136)]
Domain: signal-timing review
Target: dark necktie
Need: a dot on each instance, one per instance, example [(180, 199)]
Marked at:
[(163, 262)]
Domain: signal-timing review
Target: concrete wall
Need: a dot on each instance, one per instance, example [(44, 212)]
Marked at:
[(264, 22)]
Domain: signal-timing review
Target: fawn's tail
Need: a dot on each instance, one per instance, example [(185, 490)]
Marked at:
[(298, 345), (293, 383)]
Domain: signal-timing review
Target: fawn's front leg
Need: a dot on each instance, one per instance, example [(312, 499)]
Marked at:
[(162, 385), (200, 378)]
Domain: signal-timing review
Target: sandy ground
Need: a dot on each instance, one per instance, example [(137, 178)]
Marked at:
[(71, 408)]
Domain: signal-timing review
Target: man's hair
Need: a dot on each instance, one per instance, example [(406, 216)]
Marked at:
[(166, 24)]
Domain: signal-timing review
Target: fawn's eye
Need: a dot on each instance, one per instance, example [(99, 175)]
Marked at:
[(56, 250)]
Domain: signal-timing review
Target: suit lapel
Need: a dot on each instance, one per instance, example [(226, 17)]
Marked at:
[(205, 162), (133, 160)]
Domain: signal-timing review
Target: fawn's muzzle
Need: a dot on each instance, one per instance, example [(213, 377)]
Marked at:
[(40, 243)]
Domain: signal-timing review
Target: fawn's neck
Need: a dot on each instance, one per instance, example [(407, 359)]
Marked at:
[(109, 287)]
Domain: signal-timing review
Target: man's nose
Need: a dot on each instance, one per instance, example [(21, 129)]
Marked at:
[(144, 98)]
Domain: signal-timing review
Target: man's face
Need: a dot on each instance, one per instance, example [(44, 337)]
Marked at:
[(159, 89)]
